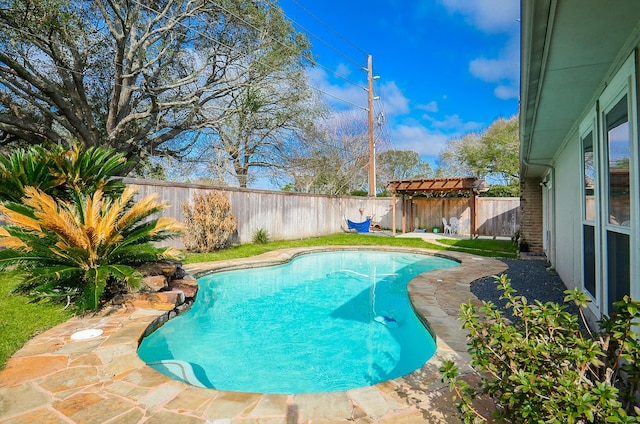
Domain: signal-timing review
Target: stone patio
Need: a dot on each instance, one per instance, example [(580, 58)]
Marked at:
[(54, 379)]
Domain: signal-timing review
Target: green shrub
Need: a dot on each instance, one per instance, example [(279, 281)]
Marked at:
[(542, 366), (60, 172), (209, 222), (261, 236), (80, 249)]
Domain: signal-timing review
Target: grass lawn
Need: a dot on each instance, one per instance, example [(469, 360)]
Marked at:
[(493, 248), (499, 248), (20, 320)]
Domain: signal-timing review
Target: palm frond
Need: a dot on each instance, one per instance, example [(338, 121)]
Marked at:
[(56, 217), (92, 208), (140, 234), (95, 283), (167, 225), (171, 253), (136, 253), (106, 230), (130, 275), (9, 241), (25, 168), (93, 169), (19, 219), (38, 289), (70, 275), (143, 208), (11, 257), (75, 256)]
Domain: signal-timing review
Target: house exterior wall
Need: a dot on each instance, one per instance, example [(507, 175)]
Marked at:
[(566, 214), (531, 228), (566, 222), (580, 73)]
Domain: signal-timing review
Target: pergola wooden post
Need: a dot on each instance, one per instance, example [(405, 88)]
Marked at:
[(427, 185), (393, 213)]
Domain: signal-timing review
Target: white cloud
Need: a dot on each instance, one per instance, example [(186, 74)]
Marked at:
[(340, 95), (503, 70), (431, 140), (454, 124), (419, 138), (394, 100), (427, 136), (506, 92), (504, 67), (343, 70), (432, 106), (490, 16), (489, 70)]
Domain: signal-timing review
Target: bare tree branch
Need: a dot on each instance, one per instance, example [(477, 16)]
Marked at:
[(138, 75)]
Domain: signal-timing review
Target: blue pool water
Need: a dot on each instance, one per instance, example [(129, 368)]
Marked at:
[(323, 322)]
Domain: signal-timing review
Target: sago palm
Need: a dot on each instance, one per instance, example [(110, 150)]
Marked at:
[(78, 248), (61, 172)]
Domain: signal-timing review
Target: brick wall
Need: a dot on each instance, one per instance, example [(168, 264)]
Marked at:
[(531, 230)]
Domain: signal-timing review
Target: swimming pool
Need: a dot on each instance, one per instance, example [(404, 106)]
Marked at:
[(323, 322)]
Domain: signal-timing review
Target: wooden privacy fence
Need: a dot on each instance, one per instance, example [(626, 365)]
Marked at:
[(289, 216), (496, 216)]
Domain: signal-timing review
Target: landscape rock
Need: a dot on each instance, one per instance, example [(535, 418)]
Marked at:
[(156, 282), (158, 268), (163, 301), (189, 291)]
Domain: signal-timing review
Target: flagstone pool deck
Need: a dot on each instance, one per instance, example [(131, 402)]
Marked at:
[(54, 379)]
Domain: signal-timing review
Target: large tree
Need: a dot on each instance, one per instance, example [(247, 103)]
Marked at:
[(400, 165), (333, 159), (492, 153), (274, 109), (143, 77)]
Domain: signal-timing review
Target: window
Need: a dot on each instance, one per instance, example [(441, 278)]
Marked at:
[(589, 216), (589, 171), (618, 149), (617, 152), (610, 198)]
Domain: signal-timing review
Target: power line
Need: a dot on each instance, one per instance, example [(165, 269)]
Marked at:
[(384, 128), (315, 63), (149, 8), (355, 62), (329, 27)]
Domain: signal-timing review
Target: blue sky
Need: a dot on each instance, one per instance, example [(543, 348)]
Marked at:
[(446, 67)]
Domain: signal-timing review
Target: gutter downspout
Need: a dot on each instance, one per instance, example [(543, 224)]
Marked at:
[(552, 218)]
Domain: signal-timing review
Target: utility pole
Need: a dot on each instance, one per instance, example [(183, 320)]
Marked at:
[(372, 147)]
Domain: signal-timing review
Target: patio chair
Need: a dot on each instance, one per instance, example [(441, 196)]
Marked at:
[(447, 227), (453, 222)]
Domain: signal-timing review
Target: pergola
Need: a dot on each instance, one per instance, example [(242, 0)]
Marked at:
[(408, 188)]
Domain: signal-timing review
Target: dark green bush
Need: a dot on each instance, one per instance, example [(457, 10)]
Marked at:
[(543, 366), (61, 172), (261, 236)]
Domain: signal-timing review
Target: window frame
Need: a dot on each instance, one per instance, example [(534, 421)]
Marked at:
[(622, 84)]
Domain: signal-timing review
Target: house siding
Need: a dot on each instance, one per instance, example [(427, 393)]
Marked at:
[(568, 213)]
